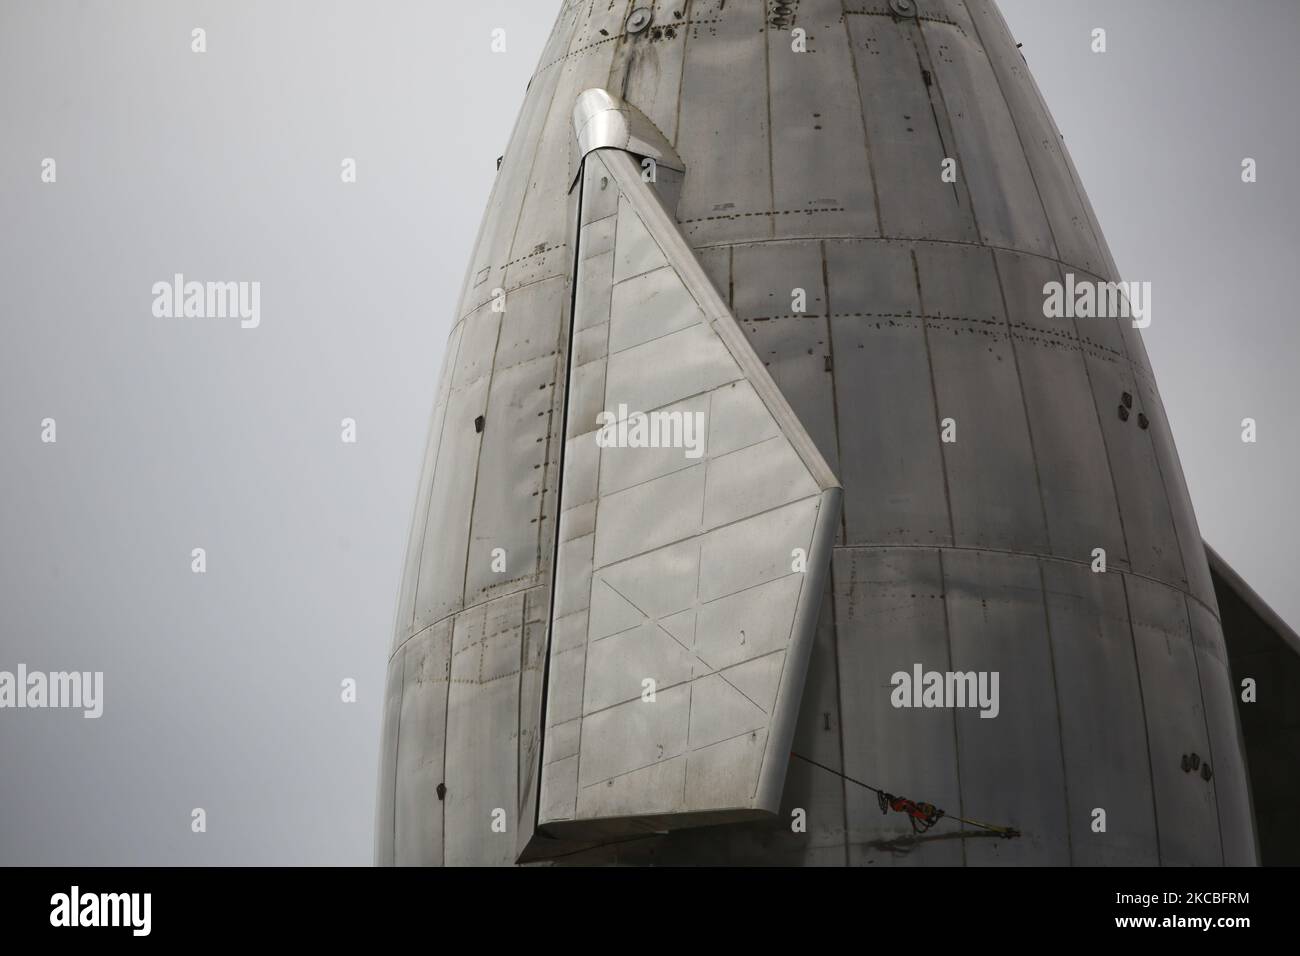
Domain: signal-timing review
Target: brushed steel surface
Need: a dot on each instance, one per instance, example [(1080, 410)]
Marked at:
[(1186, 810), (418, 825), (1092, 648), (671, 567), (602, 120), (820, 171)]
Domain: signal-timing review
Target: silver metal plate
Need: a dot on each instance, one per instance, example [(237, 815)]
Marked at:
[(699, 572)]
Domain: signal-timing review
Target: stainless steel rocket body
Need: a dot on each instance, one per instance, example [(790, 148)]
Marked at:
[(988, 455)]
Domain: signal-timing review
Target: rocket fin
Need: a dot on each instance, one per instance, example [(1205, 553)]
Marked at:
[(696, 524)]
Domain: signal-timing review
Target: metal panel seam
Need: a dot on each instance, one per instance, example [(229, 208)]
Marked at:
[(794, 670)]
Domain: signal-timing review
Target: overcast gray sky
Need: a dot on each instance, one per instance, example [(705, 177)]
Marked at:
[(223, 689)]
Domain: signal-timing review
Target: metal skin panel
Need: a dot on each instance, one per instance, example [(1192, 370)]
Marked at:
[(488, 265), (532, 323), (991, 483), (1175, 716), (1028, 110), (1197, 572), (486, 652), (440, 587), (1094, 659), (654, 70), (796, 352), (820, 795), (817, 170), (723, 54), (1152, 541), (811, 795), (1147, 401), (1071, 229), (541, 246), (405, 624), (504, 545), (890, 614), (1227, 755), (880, 356), (784, 267), (908, 133), (1104, 336), (532, 685), (421, 742), (717, 264), (661, 557), (795, 348), (1069, 451), (987, 149), (817, 132), (385, 831), (1010, 768)]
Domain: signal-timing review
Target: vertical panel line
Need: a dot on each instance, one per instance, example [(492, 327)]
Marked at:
[(1205, 719), (559, 491), (1146, 723)]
